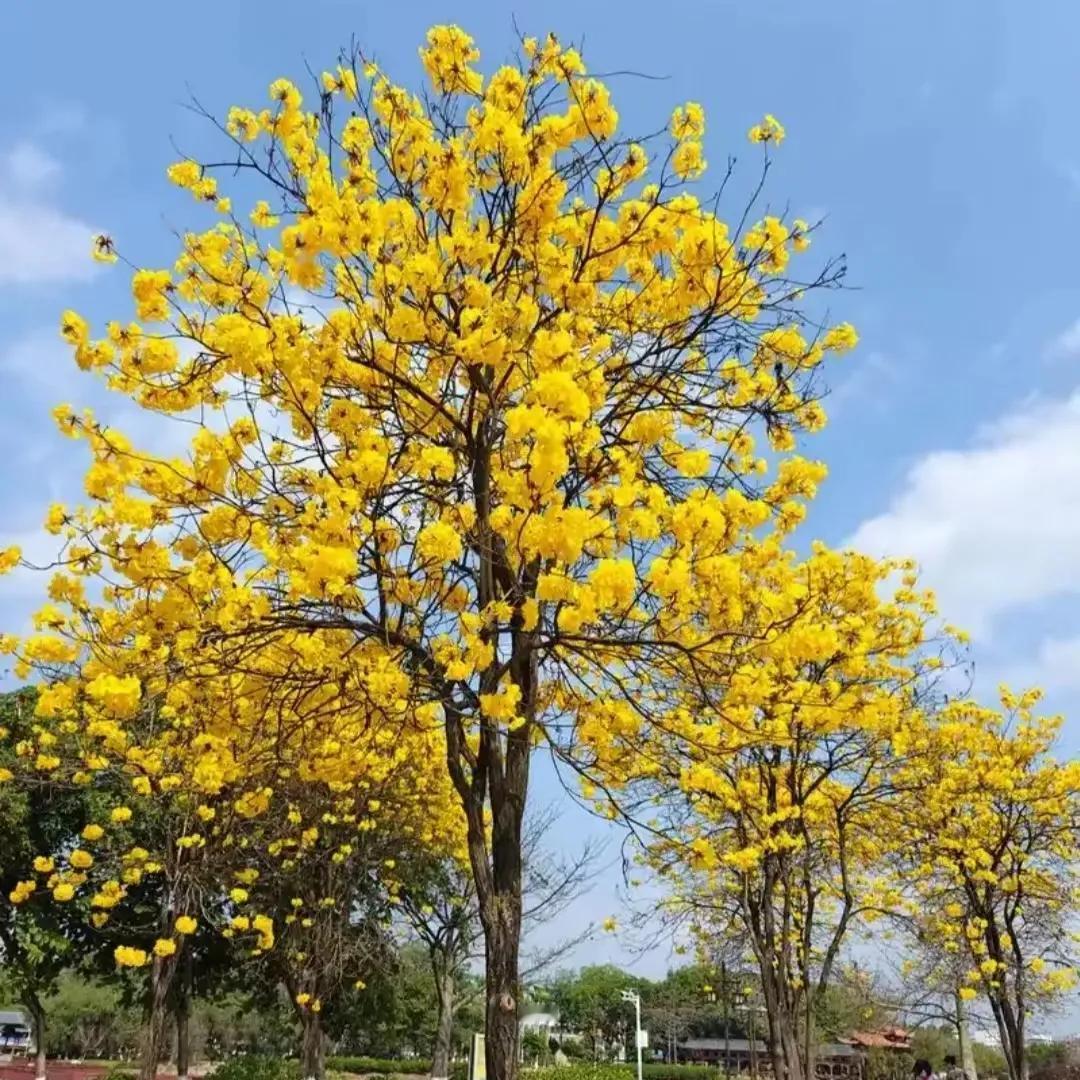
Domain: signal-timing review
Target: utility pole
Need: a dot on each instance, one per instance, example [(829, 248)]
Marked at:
[(727, 1019), (635, 997)]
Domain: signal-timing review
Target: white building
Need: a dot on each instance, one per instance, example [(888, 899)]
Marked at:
[(545, 1023), (15, 1034), (988, 1036)]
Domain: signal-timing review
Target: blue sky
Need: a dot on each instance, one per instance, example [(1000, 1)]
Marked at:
[(940, 140)]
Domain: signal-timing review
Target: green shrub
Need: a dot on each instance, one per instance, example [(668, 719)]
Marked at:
[(381, 1066), (257, 1067), (593, 1071), (119, 1072), (576, 1071)]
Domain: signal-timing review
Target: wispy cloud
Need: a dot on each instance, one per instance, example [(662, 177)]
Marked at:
[(27, 167), (1055, 666), (869, 385), (40, 243), (1066, 345)]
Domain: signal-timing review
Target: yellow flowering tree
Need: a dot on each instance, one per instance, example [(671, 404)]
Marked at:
[(162, 863), (990, 827), (760, 801), (478, 386), (329, 876)]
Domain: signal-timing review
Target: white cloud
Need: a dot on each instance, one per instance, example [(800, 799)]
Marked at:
[(870, 384), (39, 360), (996, 526), (27, 167), (1066, 345), (1055, 666), (39, 243)]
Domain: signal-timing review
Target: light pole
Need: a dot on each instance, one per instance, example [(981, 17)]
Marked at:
[(635, 997)]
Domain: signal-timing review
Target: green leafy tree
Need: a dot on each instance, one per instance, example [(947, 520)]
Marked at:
[(591, 1002), (42, 821)]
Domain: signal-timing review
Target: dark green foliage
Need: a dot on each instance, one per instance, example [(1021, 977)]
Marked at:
[(623, 1072), (89, 1019), (361, 1066), (38, 938), (395, 1015), (257, 1067), (591, 1002), (1050, 1058), (933, 1043), (845, 1007)]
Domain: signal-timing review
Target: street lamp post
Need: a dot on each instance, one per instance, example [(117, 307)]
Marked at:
[(727, 1020), (632, 995)]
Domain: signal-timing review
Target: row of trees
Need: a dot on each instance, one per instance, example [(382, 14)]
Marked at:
[(494, 454), (388, 979), (101, 1016), (705, 1001)]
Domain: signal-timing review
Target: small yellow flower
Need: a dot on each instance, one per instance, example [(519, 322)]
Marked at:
[(104, 251), (770, 130), (126, 956)]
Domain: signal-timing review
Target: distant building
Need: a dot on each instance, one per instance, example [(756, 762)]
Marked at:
[(15, 1034), (990, 1037), (832, 1061), (542, 1022), (752, 1056), (740, 1055)]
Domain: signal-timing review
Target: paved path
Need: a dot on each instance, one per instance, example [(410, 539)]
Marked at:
[(58, 1070)]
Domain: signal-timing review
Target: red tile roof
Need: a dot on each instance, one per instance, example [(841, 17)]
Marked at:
[(890, 1038)]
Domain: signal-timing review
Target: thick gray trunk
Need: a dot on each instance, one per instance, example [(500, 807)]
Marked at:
[(183, 1037), (444, 1030), (313, 1051), (37, 1018), (154, 1033), (963, 1037)]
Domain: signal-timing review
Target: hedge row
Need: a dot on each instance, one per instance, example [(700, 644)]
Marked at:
[(253, 1067), (591, 1071), (384, 1066)]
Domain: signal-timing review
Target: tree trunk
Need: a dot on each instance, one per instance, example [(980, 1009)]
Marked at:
[(37, 1019), (808, 1035), (183, 1016), (963, 1038), (501, 1023), (313, 1051), (498, 776), (161, 973), (789, 1044), (444, 1028), (784, 1048), (1011, 1030)]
